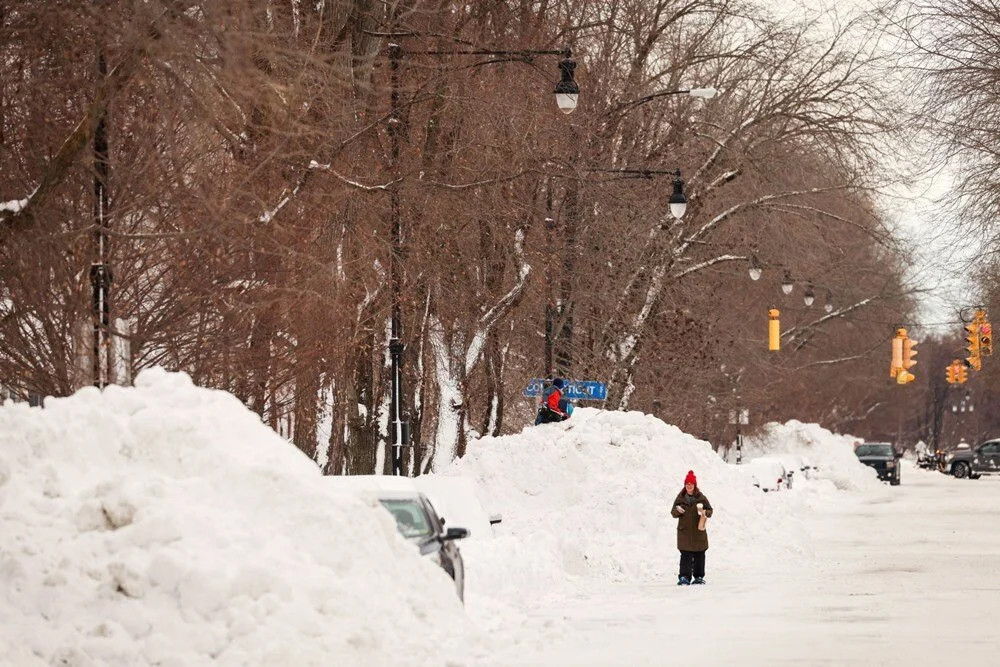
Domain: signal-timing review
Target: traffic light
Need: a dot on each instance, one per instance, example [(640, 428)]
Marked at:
[(896, 364), (986, 339), (902, 357), (962, 374), (951, 373), (773, 330), (973, 361), (909, 351)]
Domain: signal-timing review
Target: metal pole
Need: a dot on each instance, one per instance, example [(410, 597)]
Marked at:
[(739, 440), (550, 310), (100, 271), (395, 342)]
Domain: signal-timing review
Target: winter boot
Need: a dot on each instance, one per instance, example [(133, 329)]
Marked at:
[(698, 580), (683, 581)]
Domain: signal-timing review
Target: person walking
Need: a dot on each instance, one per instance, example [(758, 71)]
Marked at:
[(691, 509)]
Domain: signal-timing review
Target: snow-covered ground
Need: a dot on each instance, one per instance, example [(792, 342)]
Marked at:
[(901, 578), (164, 524)]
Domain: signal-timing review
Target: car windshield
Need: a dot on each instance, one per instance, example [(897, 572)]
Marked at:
[(877, 449), (410, 518)]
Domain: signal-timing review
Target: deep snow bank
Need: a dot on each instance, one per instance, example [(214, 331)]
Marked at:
[(166, 524), (591, 497), (833, 454)]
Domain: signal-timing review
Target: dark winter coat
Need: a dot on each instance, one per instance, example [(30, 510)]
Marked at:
[(689, 538)]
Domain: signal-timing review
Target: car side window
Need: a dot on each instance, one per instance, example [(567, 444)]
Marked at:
[(990, 448), (433, 516)]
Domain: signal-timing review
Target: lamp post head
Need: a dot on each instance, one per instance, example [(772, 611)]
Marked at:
[(755, 268), (678, 202), (704, 93), (786, 283), (567, 91), (828, 306), (810, 296)]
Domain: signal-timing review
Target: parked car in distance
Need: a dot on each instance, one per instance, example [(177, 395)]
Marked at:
[(416, 520), (974, 462), (768, 473), (881, 456)]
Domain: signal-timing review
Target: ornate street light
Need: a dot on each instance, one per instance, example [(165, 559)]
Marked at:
[(678, 202), (704, 93), (810, 295), (755, 268), (786, 283), (828, 306), (567, 91)]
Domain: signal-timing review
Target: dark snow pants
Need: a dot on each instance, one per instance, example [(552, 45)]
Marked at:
[(692, 563)]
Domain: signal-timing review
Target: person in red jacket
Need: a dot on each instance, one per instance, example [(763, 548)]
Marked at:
[(550, 410)]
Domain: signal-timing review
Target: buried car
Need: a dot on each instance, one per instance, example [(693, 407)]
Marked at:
[(881, 456), (416, 520)]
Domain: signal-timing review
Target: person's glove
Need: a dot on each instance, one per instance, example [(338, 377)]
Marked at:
[(680, 510)]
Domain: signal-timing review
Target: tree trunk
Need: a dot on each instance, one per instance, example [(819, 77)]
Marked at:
[(449, 375)]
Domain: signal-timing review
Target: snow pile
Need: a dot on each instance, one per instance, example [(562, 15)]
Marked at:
[(591, 498), (832, 454), (165, 524)]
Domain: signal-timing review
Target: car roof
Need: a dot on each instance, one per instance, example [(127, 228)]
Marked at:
[(874, 443)]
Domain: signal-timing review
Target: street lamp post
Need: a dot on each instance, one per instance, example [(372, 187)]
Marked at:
[(566, 92), (396, 425), (100, 270)]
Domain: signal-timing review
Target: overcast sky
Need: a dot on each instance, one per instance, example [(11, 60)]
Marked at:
[(939, 258)]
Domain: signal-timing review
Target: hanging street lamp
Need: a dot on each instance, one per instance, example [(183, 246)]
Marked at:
[(678, 202), (755, 268), (786, 283), (567, 91)]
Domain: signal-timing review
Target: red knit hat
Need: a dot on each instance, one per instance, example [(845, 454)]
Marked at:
[(691, 479)]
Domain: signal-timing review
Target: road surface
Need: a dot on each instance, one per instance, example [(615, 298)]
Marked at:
[(911, 577)]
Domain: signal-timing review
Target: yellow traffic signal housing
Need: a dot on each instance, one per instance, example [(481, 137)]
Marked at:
[(903, 351), (951, 373), (896, 364), (909, 351), (773, 330), (972, 336), (986, 339), (962, 374)]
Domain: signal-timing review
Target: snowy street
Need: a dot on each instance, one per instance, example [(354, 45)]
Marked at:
[(179, 529), (907, 576)]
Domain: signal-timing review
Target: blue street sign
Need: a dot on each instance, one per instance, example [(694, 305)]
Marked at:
[(577, 390)]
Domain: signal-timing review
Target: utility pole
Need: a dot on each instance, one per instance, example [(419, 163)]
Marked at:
[(550, 307), (396, 427), (100, 269)]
